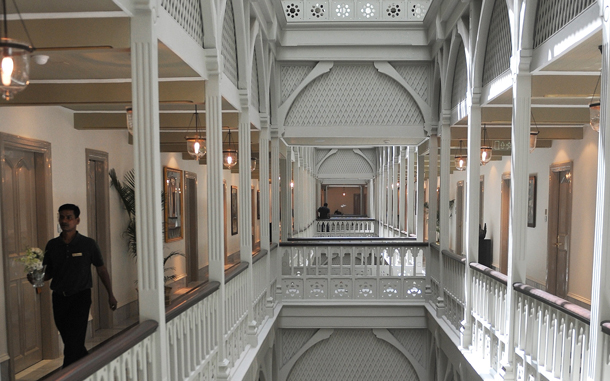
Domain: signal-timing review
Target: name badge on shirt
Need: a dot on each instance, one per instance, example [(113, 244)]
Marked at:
[(77, 254)]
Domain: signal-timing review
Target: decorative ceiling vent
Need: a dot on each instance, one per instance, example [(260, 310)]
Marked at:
[(355, 10), (317, 10), (293, 10)]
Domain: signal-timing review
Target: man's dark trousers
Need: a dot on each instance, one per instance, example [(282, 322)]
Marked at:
[(71, 314)]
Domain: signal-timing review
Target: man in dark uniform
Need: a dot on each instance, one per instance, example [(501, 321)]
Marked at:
[(324, 212), (68, 259)]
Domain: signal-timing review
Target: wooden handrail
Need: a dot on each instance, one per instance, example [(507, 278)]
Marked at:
[(498, 276), (350, 239), (235, 271), (455, 257), (349, 242), (104, 354), (259, 255), (606, 327), (191, 298), (563, 305)]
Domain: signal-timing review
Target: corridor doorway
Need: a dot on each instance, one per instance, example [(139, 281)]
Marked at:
[(504, 222), (98, 228), (27, 217), (191, 228), (560, 216)]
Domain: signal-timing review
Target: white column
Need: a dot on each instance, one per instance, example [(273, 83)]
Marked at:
[(263, 182), (432, 185), (444, 206), (147, 164), (287, 197), (420, 196), (600, 303), (275, 186), (411, 223), (402, 208), (216, 249), (395, 164)]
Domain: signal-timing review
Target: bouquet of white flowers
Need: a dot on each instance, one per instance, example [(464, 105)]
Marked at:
[(33, 265)]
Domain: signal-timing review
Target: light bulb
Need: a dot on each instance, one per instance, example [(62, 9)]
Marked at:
[(484, 155), (461, 162), (7, 70), (229, 160), (196, 146)]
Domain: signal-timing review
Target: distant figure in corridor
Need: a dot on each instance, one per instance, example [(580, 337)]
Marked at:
[(324, 212)]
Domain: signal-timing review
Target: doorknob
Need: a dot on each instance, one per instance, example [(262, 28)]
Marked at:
[(557, 244)]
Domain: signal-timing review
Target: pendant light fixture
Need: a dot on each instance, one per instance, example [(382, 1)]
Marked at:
[(460, 160), (534, 135), (195, 146), (14, 60), (129, 118), (485, 149), (229, 156), (252, 164)]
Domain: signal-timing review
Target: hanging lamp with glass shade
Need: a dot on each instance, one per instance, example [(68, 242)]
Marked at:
[(534, 135), (14, 60), (195, 145), (485, 149), (252, 164), (229, 155), (460, 160), (129, 119)]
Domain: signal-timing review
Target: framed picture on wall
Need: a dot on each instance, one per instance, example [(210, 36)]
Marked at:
[(233, 210), (258, 204), (173, 204), (531, 202)]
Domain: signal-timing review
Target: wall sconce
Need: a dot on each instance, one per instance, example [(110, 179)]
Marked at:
[(485, 149), (195, 146), (15, 61), (252, 164), (229, 156), (460, 160)]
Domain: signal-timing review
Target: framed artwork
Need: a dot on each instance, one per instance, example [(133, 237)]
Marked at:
[(531, 202), (258, 204), (233, 210), (173, 204)]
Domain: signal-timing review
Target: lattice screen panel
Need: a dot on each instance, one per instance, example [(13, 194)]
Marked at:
[(254, 84), (292, 76), (498, 50), (353, 355), (293, 340), (345, 161), (371, 154), (415, 342), (320, 154), (229, 44), (188, 15), (417, 76), (460, 78), (552, 15), (354, 95)]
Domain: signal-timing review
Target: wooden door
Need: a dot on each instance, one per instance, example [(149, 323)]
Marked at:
[(560, 215), (20, 230), (191, 227), (504, 223)]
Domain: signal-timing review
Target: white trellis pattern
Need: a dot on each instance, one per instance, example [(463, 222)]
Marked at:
[(552, 15), (345, 161), (415, 341), (293, 340), (498, 50), (354, 95), (418, 77), (292, 76), (229, 44), (188, 14), (460, 78)]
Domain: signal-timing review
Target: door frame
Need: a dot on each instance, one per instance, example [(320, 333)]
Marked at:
[(191, 230), (551, 264), (106, 317), (44, 199)]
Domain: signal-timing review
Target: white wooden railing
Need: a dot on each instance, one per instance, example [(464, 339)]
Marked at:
[(260, 280), (236, 313), (346, 227), (605, 371), (454, 273), (434, 271), (338, 270)]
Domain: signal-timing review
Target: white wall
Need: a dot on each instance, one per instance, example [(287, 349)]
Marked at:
[(583, 154)]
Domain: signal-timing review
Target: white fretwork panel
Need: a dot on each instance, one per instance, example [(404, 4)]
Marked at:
[(552, 15), (292, 76), (415, 342), (353, 355), (316, 10), (229, 44), (498, 51), (394, 10), (460, 78), (341, 288), (321, 154), (418, 77), (293, 340), (354, 95), (368, 10), (418, 9), (293, 10), (365, 288), (292, 288), (254, 84), (345, 161), (390, 288), (414, 289), (342, 10), (316, 288), (187, 14), (371, 154)]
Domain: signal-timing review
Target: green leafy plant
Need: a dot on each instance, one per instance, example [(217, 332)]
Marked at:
[(126, 191)]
